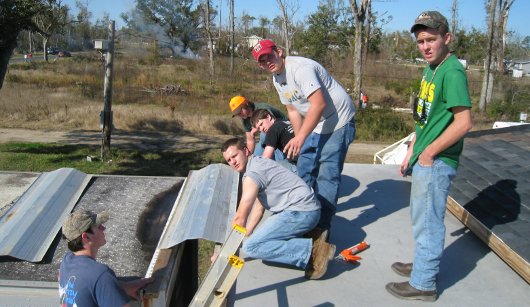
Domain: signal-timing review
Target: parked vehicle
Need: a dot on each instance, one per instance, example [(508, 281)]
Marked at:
[(52, 50), (63, 53)]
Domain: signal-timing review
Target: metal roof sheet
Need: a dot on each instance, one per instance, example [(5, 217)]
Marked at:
[(28, 228), (204, 208)]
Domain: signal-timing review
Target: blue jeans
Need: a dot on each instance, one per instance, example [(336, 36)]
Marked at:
[(320, 164), (258, 149), (430, 187), (279, 238)]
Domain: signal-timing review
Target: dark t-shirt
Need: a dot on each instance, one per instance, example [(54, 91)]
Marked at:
[(85, 282), (279, 134), (247, 125)]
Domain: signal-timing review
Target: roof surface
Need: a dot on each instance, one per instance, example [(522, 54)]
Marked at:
[(493, 184), (374, 207)]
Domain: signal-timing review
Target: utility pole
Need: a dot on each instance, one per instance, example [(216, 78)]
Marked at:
[(107, 96), (232, 37)]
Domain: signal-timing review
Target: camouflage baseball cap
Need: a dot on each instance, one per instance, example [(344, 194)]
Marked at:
[(431, 19), (80, 221)]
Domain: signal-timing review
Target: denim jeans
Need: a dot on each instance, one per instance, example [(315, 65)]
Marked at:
[(430, 187), (279, 238), (320, 164), (258, 149)]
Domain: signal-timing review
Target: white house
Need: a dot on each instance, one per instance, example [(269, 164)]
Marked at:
[(252, 40), (523, 66)]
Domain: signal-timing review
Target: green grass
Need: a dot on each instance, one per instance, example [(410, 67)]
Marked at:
[(206, 250), (37, 157), (382, 125)]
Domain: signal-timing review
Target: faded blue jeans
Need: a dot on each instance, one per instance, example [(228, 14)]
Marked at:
[(320, 165), (258, 149), (279, 238), (430, 187)]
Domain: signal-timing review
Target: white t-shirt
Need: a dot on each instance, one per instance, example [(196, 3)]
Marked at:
[(301, 78)]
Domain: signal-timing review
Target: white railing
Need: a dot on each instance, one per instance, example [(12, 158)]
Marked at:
[(395, 153)]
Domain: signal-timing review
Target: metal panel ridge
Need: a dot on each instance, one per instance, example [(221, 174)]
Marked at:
[(204, 208), (28, 228)]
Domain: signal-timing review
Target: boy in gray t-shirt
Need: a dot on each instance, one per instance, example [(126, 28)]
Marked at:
[(322, 115), (268, 185)]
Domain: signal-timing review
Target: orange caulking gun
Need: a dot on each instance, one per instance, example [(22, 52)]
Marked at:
[(349, 254)]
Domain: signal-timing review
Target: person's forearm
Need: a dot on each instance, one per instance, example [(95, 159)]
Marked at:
[(316, 109), (132, 287), (405, 163), (255, 217), (295, 118), (268, 152), (248, 197), (310, 121), (251, 142)]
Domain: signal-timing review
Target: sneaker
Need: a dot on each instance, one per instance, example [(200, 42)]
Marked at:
[(404, 290), (402, 269), (321, 254)]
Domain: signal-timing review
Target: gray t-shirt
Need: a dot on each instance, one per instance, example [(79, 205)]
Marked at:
[(301, 78), (279, 188)]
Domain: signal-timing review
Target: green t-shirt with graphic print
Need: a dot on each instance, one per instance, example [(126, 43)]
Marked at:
[(448, 89)]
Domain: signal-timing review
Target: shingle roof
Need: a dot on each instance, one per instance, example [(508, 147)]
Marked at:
[(493, 184)]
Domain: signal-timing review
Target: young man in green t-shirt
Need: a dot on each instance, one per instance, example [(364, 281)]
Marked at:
[(443, 116)]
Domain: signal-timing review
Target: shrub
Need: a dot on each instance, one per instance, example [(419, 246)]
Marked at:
[(382, 125)]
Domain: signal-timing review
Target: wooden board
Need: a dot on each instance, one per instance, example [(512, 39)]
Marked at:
[(514, 260)]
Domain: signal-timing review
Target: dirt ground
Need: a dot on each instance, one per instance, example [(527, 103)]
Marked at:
[(147, 140)]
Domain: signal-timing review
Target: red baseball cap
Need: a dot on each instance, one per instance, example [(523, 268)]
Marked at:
[(264, 46)]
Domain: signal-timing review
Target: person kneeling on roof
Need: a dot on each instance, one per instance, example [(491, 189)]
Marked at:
[(295, 211)]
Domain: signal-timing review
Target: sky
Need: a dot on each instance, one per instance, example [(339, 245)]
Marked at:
[(471, 12)]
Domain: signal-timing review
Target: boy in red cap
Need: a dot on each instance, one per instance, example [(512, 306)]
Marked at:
[(322, 115)]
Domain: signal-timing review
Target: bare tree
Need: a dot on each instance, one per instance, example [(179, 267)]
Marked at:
[(285, 27), (487, 82), (288, 10), (454, 16), (220, 21), (359, 14), (502, 20), (232, 37), (208, 29), (367, 32)]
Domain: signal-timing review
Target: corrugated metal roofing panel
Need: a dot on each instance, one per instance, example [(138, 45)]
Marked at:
[(204, 208), (28, 228)]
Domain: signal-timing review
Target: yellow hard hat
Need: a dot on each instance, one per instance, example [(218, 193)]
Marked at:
[(236, 103)]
